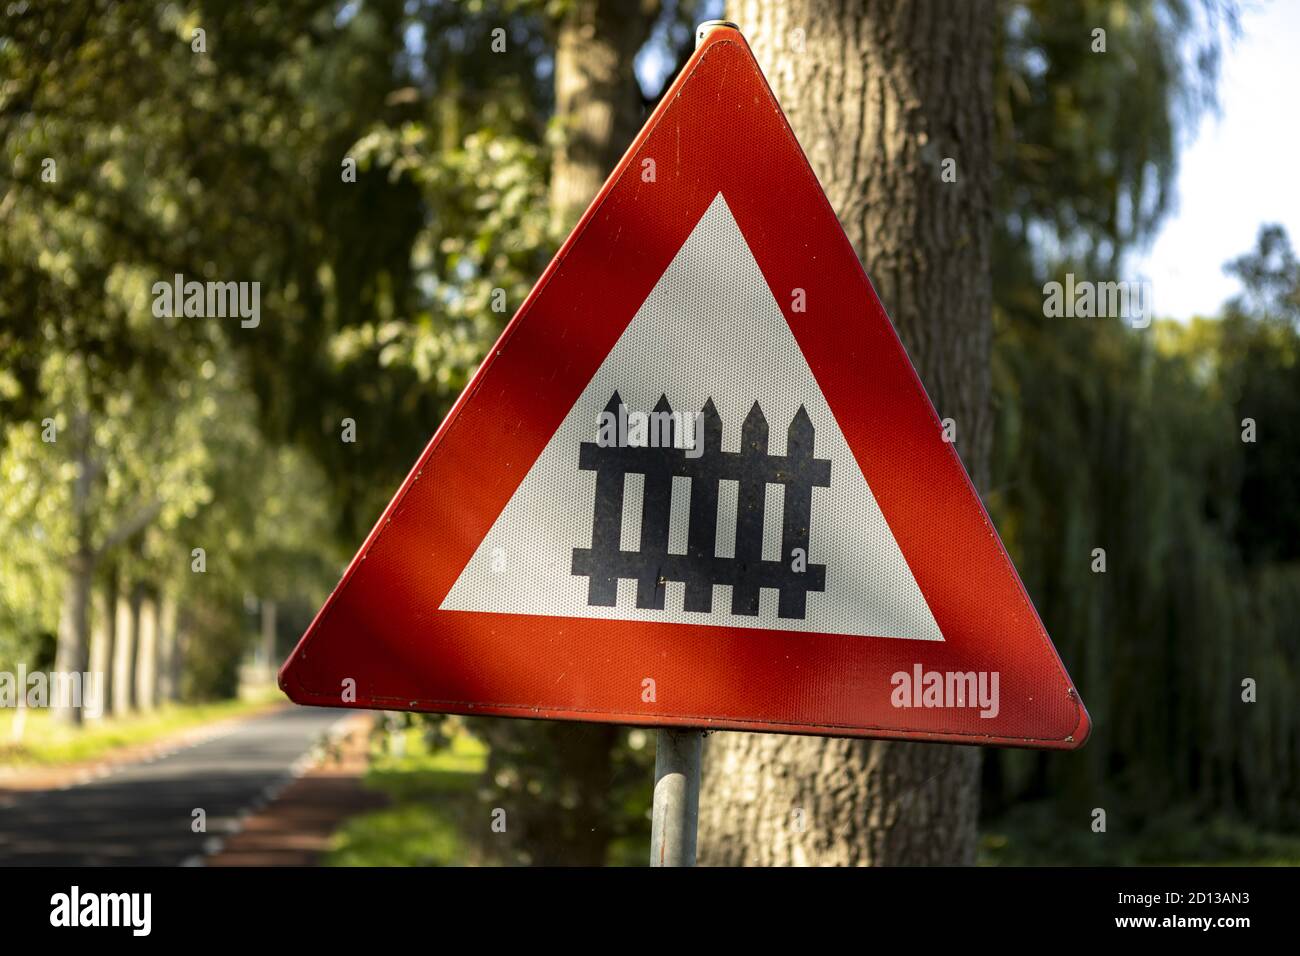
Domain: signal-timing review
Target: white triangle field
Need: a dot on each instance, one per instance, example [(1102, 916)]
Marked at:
[(709, 329)]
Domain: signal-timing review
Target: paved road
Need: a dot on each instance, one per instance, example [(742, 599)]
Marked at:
[(142, 814)]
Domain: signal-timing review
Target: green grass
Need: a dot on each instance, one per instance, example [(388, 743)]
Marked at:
[(432, 793), (46, 742), (1037, 835)]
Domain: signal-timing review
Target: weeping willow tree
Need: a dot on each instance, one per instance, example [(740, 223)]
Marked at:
[(1171, 452), (1131, 441)]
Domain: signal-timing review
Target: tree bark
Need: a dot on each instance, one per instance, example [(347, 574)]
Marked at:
[(72, 655), (72, 652), (597, 99), (101, 643), (146, 658), (167, 689), (571, 818), (179, 649), (124, 656), (267, 650), (880, 94)]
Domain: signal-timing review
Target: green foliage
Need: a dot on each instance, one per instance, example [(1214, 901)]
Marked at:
[(29, 599), (572, 789), (1088, 141), (158, 450), (1131, 441), (434, 813), (1261, 375), (1032, 835)]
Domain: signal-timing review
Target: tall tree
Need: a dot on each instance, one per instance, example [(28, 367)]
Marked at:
[(565, 777), (1093, 101), (884, 97), (598, 103)]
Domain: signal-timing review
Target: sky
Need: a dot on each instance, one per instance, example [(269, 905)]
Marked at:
[(1237, 173)]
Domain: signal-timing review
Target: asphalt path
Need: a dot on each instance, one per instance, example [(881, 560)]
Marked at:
[(142, 814)]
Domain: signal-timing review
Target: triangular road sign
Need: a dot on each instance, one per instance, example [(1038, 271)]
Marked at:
[(697, 483)]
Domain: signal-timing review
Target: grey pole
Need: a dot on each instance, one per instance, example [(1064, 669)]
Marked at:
[(675, 814), (676, 811)]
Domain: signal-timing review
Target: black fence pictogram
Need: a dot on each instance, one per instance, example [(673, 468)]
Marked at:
[(604, 563)]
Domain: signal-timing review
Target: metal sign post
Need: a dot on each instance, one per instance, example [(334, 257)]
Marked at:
[(675, 814)]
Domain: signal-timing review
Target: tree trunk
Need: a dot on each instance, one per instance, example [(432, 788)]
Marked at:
[(269, 628), (880, 94), (72, 655), (101, 644), (179, 648), (124, 656), (597, 98), (146, 662), (558, 800), (167, 689)]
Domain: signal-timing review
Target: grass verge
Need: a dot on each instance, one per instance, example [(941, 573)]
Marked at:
[(46, 742), (1034, 835), (432, 794)]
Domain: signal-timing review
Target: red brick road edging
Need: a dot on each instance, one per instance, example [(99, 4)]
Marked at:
[(295, 829)]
